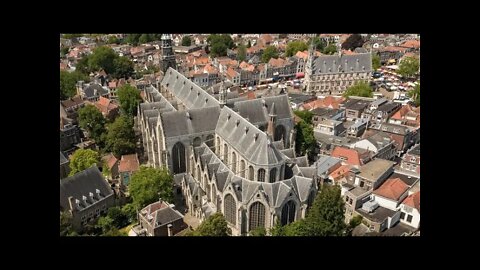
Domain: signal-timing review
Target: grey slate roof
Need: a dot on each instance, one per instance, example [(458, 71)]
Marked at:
[(190, 122), (81, 184), (252, 143), (166, 215), (90, 90), (392, 128), (389, 106), (290, 152), (257, 112), (192, 95), (356, 104), (325, 162), (328, 64), (276, 193), (63, 159)]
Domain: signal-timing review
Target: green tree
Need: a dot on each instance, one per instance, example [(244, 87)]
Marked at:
[(249, 44), (120, 138), (375, 61), (259, 231), (64, 51), (83, 159), (130, 212), (83, 65), (409, 67), (415, 94), (92, 120), (106, 224), (70, 36), (214, 225), (114, 232), (305, 115), (103, 58), (144, 38), (218, 49), (132, 39), (113, 40), (359, 89), (319, 44), (241, 53), (326, 216), (68, 82), (352, 42), (295, 46), (129, 98), (305, 142), (330, 49), (66, 223), (149, 184), (119, 218), (186, 41), (268, 53), (123, 67), (354, 222)]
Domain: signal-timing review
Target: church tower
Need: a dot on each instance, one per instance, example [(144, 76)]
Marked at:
[(222, 96), (271, 122), (168, 58), (309, 67)]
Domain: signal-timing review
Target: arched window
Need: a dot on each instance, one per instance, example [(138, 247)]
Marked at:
[(257, 216), (197, 141), (178, 156), (288, 213), (225, 154), (234, 162), (210, 141), (242, 168), (273, 175), (217, 146), (261, 175), (230, 209), (250, 173)]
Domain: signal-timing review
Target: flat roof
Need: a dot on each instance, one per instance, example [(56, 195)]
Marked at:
[(379, 215)]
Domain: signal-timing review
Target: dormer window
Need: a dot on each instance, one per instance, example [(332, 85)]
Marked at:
[(246, 130), (237, 122), (228, 116), (183, 82), (191, 88)]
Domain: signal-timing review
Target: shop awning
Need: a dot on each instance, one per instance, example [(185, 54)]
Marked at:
[(300, 75)]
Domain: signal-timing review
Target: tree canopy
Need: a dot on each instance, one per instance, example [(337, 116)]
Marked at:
[(92, 120), (295, 46), (83, 159), (409, 67), (113, 40), (135, 39), (375, 61), (259, 231), (305, 142), (68, 82), (360, 89), (129, 98), (241, 52), (352, 42), (186, 41), (415, 94), (149, 184), (325, 217), (268, 53), (107, 59), (319, 44), (330, 49), (219, 44), (214, 225), (120, 138)]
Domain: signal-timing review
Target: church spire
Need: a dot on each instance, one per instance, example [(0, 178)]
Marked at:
[(271, 122), (222, 96)]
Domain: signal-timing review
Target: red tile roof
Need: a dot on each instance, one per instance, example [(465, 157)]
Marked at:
[(63, 66), (392, 189), (129, 163), (112, 84), (303, 55), (231, 73), (340, 172), (279, 62), (351, 156), (105, 105), (411, 44), (111, 160), (413, 200)]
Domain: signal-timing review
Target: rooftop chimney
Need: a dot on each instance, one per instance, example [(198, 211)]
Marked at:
[(97, 191), (170, 230)]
